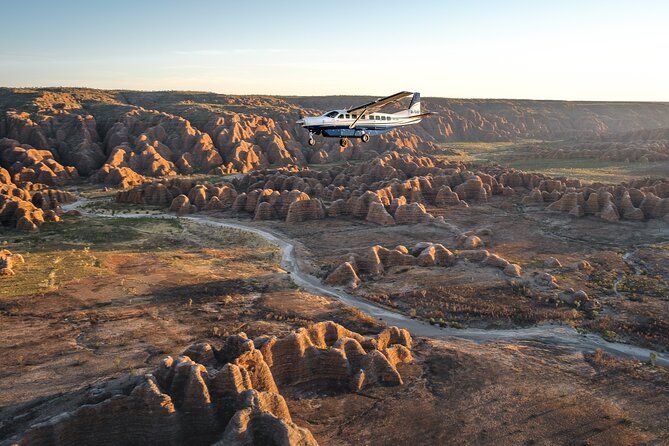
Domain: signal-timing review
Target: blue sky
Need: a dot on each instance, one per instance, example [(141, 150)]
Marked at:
[(589, 49)]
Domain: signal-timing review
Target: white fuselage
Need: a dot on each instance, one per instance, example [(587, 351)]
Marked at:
[(377, 121)]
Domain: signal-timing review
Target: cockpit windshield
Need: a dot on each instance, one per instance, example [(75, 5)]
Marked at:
[(332, 114)]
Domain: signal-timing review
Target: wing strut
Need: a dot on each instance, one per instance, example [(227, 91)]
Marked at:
[(358, 118)]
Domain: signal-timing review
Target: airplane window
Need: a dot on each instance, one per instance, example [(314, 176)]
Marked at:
[(341, 116), (378, 118), (332, 114), (354, 116), (348, 116)]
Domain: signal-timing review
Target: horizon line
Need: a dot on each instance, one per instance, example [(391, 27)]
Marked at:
[(481, 98)]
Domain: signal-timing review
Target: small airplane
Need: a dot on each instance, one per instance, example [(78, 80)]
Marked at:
[(364, 120)]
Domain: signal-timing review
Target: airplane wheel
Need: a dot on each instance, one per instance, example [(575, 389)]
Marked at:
[(365, 137), (311, 141), (343, 142)]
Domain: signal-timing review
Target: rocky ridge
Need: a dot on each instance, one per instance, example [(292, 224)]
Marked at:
[(406, 189)]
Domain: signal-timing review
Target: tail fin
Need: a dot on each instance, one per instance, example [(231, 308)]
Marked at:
[(414, 107)]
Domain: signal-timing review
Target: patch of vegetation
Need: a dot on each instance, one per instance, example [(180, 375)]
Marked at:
[(647, 285), (603, 279), (108, 205), (71, 250), (457, 308), (647, 331), (46, 271)]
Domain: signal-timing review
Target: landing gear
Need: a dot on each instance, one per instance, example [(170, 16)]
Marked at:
[(343, 142), (311, 141), (365, 137)]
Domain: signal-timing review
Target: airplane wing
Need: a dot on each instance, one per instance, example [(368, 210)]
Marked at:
[(380, 103)]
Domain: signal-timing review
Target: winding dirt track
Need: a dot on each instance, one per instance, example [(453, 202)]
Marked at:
[(557, 335)]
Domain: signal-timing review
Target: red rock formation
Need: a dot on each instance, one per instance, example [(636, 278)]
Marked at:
[(302, 210), (513, 270), (409, 214), (327, 356), (377, 214), (48, 199), (72, 138), (472, 190), (29, 165), (123, 177), (16, 208), (8, 261), (229, 395), (446, 197), (181, 205), (344, 275)]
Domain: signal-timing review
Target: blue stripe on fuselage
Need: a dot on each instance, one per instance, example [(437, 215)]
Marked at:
[(357, 132), (346, 131)]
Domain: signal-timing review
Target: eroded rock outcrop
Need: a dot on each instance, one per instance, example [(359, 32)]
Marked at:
[(377, 260), (344, 275), (229, 395), (613, 203), (72, 138), (16, 207), (302, 210), (29, 165), (326, 356), (8, 262), (378, 214), (412, 213)]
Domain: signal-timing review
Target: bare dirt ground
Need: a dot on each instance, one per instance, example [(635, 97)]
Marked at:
[(499, 394), (629, 287)]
